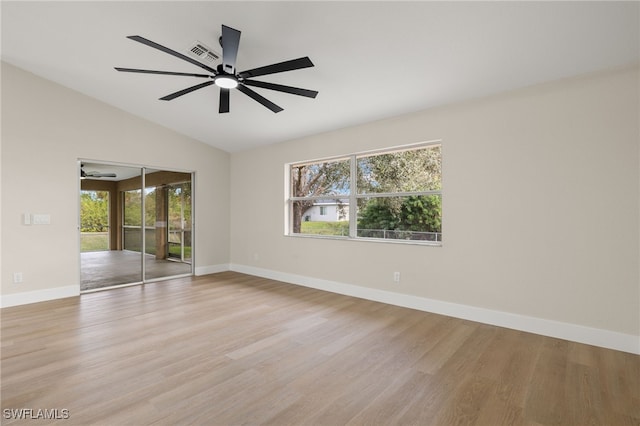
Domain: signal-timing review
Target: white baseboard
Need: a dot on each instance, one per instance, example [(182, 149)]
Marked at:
[(211, 269), (27, 297), (576, 333)]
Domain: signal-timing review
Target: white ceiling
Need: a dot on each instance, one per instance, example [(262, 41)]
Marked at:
[(373, 59)]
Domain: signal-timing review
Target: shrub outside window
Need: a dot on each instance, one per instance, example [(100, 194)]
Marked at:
[(394, 194)]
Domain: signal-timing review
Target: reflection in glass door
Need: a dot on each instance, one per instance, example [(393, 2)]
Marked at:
[(168, 219), (179, 238)]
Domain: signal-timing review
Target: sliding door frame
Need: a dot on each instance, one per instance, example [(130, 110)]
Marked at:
[(143, 170)]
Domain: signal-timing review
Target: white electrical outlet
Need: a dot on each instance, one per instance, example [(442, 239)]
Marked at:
[(17, 277), (396, 277)]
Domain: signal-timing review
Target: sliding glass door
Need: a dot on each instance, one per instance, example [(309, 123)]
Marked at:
[(168, 224), (149, 229), (111, 255)]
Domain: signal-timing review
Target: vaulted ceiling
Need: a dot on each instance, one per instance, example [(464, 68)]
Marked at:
[(372, 59)]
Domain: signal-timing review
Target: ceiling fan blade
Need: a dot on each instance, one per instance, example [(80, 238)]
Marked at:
[(97, 174), (171, 52), (230, 43), (185, 91), (281, 88), (224, 100), (255, 96), (162, 72), (291, 65)]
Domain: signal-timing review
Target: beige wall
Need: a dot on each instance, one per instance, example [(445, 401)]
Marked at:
[(540, 205), (46, 128)]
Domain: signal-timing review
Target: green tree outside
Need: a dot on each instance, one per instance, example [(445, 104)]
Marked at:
[(94, 211), (419, 213), (416, 170)]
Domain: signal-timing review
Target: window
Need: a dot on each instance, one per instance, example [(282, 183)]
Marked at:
[(388, 195)]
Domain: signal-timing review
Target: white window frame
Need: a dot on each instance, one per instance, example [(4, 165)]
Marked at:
[(354, 196)]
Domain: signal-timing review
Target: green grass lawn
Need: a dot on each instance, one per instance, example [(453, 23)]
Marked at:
[(175, 251), (325, 228), (94, 241)]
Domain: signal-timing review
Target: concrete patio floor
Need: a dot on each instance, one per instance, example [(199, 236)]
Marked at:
[(108, 268)]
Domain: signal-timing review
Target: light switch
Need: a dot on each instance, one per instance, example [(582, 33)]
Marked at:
[(41, 219)]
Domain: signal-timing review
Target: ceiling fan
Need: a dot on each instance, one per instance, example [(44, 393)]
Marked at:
[(226, 77), (85, 175)]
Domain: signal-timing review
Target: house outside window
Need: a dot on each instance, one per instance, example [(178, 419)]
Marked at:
[(389, 195)]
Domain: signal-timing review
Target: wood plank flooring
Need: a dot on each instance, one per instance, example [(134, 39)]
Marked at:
[(231, 349)]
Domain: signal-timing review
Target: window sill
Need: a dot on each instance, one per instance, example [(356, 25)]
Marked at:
[(368, 240)]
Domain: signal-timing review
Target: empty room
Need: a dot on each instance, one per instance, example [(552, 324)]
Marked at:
[(320, 213)]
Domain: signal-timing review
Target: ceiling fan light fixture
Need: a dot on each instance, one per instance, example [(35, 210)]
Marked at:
[(226, 81)]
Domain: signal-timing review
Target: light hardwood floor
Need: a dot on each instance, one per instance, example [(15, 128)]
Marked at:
[(231, 349)]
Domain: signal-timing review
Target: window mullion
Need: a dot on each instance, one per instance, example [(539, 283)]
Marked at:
[(353, 202)]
